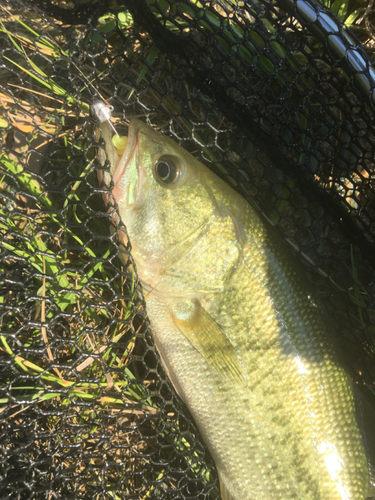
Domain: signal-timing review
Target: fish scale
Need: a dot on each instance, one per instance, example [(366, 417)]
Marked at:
[(239, 333)]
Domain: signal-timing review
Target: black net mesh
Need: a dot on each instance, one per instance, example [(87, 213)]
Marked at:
[(277, 99)]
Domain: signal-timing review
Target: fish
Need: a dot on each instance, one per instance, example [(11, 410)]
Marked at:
[(239, 332)]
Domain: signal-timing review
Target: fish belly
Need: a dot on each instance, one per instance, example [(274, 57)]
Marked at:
[(263, 435)]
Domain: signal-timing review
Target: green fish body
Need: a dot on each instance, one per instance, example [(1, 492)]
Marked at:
[(239, 335)]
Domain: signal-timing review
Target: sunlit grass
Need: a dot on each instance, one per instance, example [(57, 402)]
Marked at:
[(58, 239)]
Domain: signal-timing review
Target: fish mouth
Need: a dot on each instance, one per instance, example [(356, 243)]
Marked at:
[(129, 174), (129, 151)]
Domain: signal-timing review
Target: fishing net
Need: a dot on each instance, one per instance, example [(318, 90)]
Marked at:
[(276, 98)]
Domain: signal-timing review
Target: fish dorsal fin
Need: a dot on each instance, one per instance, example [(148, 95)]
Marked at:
[(208, 339)]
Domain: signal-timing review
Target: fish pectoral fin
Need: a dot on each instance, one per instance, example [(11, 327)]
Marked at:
[(208, 339)]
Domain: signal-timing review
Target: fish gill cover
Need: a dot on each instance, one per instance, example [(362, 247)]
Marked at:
[(277, 99)]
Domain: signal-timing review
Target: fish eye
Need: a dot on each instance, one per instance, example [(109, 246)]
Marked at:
[(168, 170)]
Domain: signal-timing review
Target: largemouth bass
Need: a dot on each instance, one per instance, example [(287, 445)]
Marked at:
[(237, 329)]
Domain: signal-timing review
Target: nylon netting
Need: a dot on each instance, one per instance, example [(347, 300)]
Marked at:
[(269, 100)]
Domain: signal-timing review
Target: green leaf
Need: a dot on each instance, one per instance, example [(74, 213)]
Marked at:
[(351, 19), (150, 59)]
